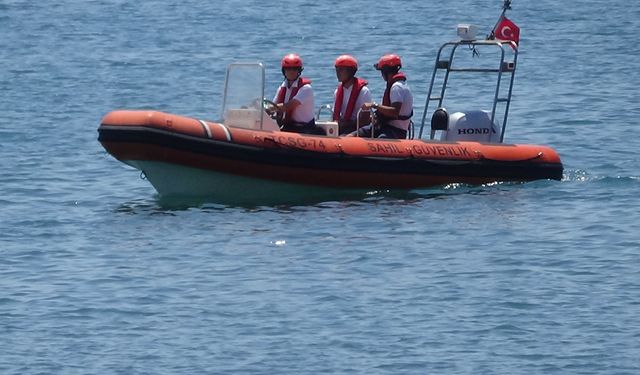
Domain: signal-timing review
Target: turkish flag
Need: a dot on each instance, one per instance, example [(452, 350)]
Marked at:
[(507, 30)]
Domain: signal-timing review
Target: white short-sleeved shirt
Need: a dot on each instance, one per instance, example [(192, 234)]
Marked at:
[(304, 112), (363, 97), (400, 92)]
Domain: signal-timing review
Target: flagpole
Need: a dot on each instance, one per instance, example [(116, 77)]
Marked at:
[(505, 6)]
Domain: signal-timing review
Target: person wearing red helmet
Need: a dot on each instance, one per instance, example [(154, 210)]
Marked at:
[(350, 95), (294, 98), (393, 116)]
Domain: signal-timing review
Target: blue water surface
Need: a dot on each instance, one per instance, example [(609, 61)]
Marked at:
[(100, 276)]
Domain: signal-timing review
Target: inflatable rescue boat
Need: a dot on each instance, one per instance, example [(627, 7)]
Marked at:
[(247, 153)]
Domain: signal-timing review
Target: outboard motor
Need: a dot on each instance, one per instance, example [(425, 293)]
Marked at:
[(440, 119), (474, 126)]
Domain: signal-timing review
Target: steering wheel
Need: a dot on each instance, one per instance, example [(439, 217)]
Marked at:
[(270, 107)]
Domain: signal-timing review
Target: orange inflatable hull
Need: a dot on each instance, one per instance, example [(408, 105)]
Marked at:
[(139, 137)]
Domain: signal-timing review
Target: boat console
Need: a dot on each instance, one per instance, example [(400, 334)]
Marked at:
[(249, 118), (243, 106)]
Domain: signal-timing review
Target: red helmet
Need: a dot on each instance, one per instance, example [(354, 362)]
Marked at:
[(388, 61), (346, 61), (291, 61)]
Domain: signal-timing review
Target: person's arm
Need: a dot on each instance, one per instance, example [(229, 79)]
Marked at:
[(290, 106), (363, 98), (305, 93), (392, 111)]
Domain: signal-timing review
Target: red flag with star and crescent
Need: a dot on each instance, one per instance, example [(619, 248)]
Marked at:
[(507, 30)]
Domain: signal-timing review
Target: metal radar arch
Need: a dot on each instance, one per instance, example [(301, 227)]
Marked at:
[(504, 71)]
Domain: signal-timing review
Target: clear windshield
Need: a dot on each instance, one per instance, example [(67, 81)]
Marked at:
[(243, 93)]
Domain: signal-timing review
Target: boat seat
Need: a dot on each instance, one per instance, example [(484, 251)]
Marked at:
[(474, 126), (249, 118)]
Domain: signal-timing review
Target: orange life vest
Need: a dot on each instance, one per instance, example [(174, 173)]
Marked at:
[(386, 99), (282, 92), (358, 84)]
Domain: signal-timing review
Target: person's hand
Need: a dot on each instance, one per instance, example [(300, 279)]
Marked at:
[(368, 106)]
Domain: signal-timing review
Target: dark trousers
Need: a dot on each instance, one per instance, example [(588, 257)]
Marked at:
[(382, 131), (302, 127), (346, 127)]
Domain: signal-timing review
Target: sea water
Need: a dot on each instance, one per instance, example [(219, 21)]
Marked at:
[(98, 275)]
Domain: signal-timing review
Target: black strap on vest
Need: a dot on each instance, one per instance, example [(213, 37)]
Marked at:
[(406, 117), (387, 118)]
